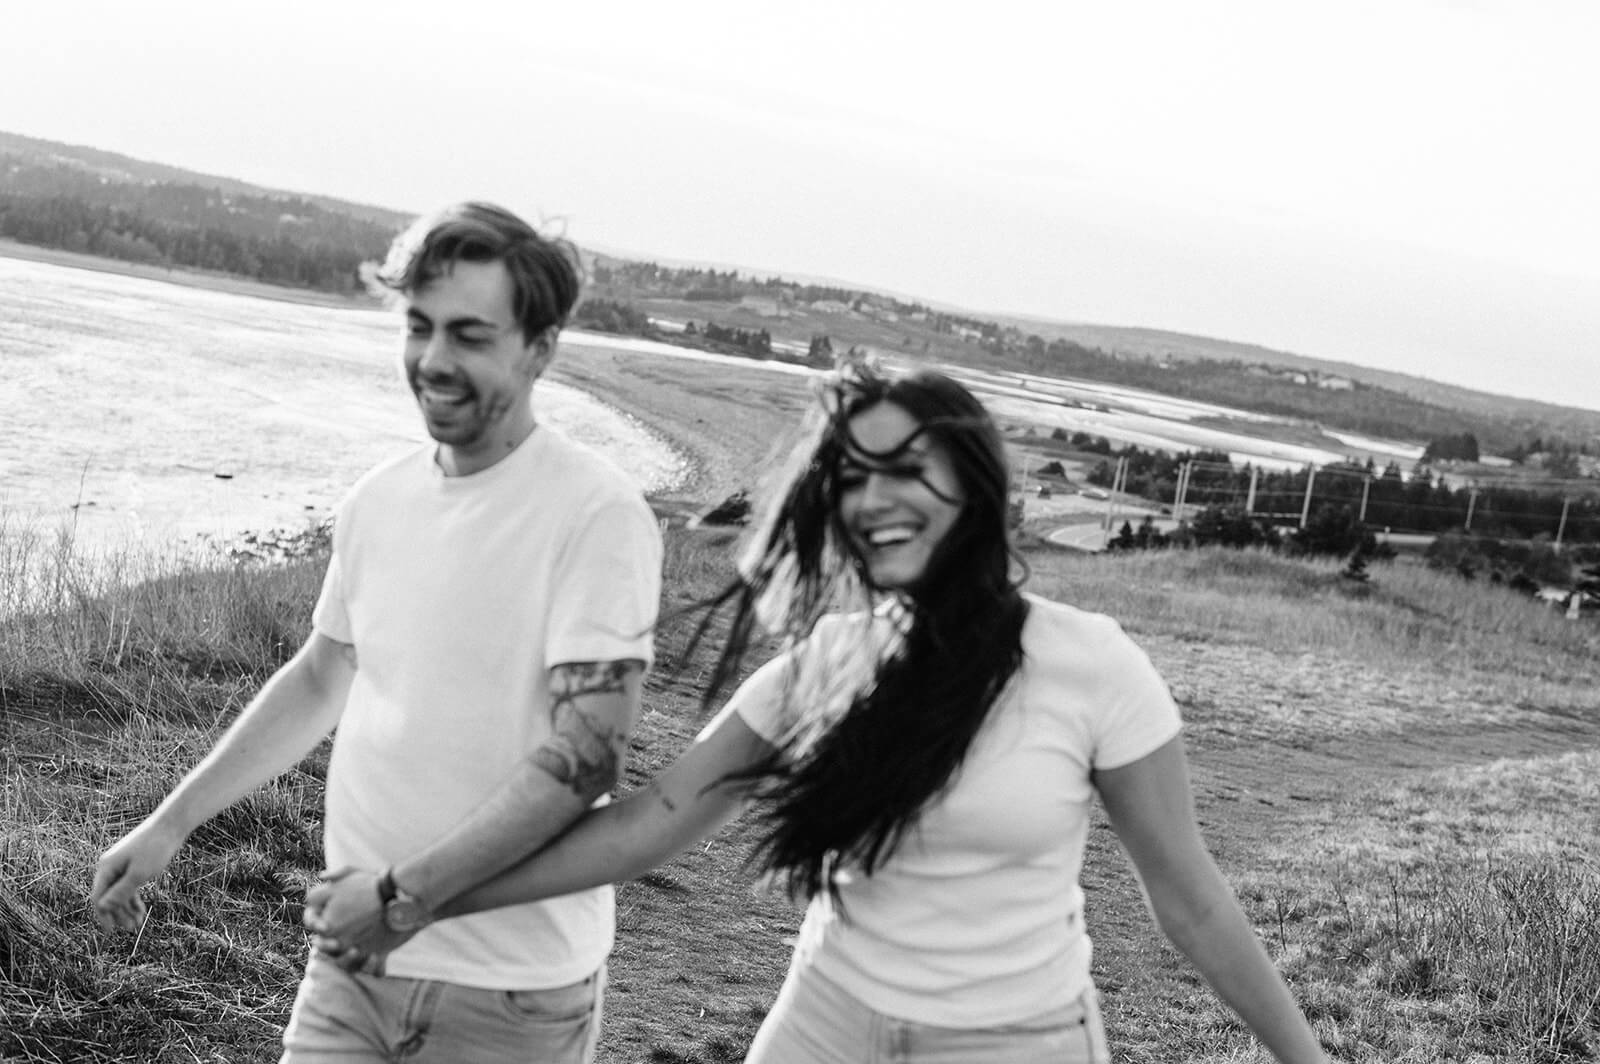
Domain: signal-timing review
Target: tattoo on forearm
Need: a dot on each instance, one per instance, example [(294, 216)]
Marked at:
[(585, 753)]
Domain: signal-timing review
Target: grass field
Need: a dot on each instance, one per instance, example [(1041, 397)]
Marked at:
[(1402, 783)]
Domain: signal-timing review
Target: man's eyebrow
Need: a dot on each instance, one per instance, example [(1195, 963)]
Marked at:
[(456, 324)]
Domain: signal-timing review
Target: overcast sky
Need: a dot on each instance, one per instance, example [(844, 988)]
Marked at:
[(1408, 183)]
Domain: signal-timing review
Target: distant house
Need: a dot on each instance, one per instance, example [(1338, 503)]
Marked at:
[(1336, 384), (830, 306)]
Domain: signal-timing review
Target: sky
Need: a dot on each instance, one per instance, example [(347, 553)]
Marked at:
[(1407, 184)]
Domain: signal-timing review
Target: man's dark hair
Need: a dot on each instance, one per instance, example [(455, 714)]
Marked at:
[(545, 271)]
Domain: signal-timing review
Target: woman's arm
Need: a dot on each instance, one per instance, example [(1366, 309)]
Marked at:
[(691, 799), (1152, 810), (686, 802)]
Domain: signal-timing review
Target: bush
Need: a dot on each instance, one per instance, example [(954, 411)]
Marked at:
[(1334, 529), (1230, 526)]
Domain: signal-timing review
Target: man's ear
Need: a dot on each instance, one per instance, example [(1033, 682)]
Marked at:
[(541, 349)]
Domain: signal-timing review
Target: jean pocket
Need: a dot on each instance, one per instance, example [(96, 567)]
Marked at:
[(554, 1005)]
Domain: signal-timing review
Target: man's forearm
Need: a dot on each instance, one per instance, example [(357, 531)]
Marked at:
[(523, 815), (292, 712), (594, 706)]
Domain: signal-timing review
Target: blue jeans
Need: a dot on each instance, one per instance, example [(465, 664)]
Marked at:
[(815, 1021), (341, 1017)]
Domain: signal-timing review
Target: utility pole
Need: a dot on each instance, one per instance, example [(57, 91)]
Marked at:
[(1366, 489), (1250, 500), (1305, 509), (1118, 480), (1566, 504), (1472, 503), (1181, 493)]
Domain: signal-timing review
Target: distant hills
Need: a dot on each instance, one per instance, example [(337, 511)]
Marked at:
[(102, 203)]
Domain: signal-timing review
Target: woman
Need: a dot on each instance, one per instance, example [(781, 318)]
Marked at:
[(923, 761)]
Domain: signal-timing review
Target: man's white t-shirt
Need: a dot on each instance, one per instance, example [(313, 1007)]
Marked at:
[(459, 594), (977, 918)]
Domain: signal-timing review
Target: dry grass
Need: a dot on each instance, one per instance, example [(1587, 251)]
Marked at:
[(1438, 912)]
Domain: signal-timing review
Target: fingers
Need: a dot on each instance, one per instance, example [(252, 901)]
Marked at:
[(350, 958), (320, 894), (125, 910), (114, 897)]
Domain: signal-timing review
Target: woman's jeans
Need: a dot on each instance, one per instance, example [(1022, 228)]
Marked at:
[(814, 1021)]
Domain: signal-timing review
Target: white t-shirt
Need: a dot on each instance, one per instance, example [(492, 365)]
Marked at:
[(977, 918), (459, 594)]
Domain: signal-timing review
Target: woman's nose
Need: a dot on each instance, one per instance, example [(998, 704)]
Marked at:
[(875, 492)]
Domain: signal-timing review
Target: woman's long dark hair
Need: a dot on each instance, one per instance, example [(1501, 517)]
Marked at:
[(847, 792)]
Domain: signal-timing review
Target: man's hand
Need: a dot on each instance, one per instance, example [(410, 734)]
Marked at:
[(345, 916), (135, 859)]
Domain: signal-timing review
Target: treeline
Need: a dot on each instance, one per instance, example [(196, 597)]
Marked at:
[(754, 342), (706, 284), (610, 316), (1422, 502), (280, 240)]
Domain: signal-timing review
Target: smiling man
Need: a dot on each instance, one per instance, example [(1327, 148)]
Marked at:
[(480, 643)]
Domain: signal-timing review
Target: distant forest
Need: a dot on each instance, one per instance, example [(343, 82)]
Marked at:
[(289, 241)]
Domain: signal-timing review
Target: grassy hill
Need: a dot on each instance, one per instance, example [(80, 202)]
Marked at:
[(1159, 344), (1400, 781)]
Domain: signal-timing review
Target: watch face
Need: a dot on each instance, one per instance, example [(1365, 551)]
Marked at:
[(404, 914)]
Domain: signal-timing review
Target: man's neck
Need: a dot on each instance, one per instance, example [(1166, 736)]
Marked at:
[(464, 462)]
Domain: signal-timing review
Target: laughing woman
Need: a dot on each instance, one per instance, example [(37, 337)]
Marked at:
[(923, 762)]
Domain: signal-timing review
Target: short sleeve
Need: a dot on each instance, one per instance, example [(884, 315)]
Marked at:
[(330, 617), (760, 701), (1139, 713), (607, 587)]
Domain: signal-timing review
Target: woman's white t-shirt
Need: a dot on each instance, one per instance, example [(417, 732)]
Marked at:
[(977, 918)]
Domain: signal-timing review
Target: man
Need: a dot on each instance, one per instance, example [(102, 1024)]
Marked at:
[(480, 642)]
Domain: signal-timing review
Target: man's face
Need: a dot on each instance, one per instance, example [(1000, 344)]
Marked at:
[(469, 365)]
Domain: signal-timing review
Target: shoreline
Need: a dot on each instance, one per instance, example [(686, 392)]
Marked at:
[(697, 479), (186, 276)]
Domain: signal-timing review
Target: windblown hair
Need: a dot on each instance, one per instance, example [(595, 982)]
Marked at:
[(546, 273), (847, 791)]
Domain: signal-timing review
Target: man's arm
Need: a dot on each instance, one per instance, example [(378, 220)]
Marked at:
[(594, 707), (294, 709), (704, 788)]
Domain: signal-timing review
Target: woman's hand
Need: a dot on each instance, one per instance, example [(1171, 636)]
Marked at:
[(344, 913)]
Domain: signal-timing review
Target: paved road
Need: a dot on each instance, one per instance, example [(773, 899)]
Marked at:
[(1091, 537)]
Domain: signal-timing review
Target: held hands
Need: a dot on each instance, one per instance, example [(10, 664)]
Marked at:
[(345, 915), (134, 860)]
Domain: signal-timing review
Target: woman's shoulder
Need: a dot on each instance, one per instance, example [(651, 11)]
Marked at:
[(1052, 620)]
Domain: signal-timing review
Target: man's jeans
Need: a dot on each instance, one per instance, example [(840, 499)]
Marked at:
[(350, 1018)]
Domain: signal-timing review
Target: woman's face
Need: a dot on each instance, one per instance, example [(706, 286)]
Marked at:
[(899, 495)]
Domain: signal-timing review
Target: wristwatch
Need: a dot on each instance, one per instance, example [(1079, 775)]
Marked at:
[(402, 913)]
